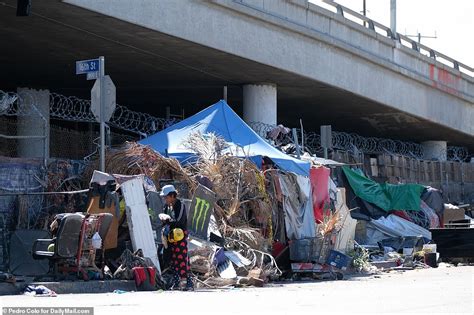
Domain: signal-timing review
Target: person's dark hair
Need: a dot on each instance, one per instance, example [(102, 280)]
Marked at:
[(173, 194), (267, 161)]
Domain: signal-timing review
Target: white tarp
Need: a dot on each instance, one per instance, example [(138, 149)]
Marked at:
[(393, 226), (298, 206)]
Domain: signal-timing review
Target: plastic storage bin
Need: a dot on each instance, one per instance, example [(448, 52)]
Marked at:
[(338, 260)]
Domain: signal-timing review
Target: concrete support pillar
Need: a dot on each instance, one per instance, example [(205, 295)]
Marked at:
[(260, 103), (33, 121), (435, 150)]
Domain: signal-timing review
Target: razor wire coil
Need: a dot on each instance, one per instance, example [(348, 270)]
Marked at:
[(71, 108), (75, 109), (356, 144)]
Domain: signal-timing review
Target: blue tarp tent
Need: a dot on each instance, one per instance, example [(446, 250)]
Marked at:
[(223, 121)]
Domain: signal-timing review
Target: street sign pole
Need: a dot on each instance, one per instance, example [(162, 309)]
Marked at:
[(102, 113), (103, 97)]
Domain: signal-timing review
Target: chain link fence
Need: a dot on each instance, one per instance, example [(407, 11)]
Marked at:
[(8, 126), (76, 144), (64, 142)]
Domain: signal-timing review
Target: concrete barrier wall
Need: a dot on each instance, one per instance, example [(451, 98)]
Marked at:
[(318, 19)]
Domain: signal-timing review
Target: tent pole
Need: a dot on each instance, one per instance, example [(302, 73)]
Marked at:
[(295, 139)]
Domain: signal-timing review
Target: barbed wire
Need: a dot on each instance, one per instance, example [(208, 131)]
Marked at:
[(71, 108), (75, 109), (17, 104), (457, 153), (356, 144)]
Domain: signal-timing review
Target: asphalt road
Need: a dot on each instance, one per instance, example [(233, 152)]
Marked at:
[(442, 290)]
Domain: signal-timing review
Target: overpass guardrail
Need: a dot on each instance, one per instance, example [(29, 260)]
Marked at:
[(402, 39)]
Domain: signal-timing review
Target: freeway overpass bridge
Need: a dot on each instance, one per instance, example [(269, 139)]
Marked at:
[(282, 60)]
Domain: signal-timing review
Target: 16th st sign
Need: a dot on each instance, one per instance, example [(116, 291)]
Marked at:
[(87, 66)]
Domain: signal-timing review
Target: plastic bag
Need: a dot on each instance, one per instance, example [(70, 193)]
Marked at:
[(96, 241)]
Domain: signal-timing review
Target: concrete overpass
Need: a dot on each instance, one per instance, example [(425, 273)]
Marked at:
[(324, 68)]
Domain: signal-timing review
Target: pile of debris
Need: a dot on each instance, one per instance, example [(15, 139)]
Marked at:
[(241, 221), (403, 226), (135, 159), (251, 219)]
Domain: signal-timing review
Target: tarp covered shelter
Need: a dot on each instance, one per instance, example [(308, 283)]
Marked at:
[(385, 196), (224, 122), (393, 226)]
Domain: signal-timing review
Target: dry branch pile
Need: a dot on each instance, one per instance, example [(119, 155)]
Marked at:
[(242, 210), (134, 159)]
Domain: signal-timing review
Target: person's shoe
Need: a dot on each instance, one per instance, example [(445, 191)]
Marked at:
[(175, 284), (189, 284)]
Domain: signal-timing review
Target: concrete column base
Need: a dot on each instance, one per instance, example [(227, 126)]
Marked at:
[(260, 103), (435, 150), (32, 123)]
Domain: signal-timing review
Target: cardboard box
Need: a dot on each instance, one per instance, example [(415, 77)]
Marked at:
[(453, 215)]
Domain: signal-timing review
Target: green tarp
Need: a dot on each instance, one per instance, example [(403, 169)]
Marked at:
[(386, 196)]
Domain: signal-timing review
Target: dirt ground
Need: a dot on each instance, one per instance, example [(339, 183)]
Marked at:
[(447, 289)]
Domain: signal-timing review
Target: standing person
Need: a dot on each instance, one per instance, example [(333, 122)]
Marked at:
[(174, 220)]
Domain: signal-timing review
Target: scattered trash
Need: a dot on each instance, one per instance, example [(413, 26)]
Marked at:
[(226, 270), (96, 241), (360, 259), (251, 219), (39, 291), (237, 258), (7, 277), (429, 248), (431, 260), (120, 291)]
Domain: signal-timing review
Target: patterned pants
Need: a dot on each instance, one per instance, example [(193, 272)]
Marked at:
[(179, 257)]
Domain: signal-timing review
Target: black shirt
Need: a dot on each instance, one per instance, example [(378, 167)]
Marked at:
[(177, 212)]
